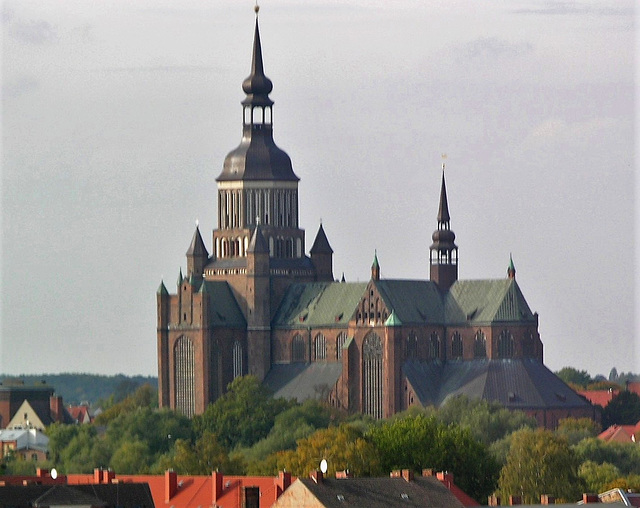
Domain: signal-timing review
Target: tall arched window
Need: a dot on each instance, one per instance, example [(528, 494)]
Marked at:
[(184, 375), (434, 346), (342, 338), (480, 345), (238, 353), (456, 345), (372, 376), (506, 345), (412, 346), (298, 349), (528, 345), (320, 347)]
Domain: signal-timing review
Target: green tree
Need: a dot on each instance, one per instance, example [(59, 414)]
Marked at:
[(423, 442), (597, 476), (575, 430), (574, 377), (243, 415), (144, 397), (487, 421), (624, 409), (540, 462), (131, 457), (625, 456), (628, 483)]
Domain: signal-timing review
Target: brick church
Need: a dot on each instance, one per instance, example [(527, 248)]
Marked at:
[(258, 304)]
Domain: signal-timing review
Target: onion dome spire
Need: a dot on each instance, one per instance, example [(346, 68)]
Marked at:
[(257, 86), (443, 252)]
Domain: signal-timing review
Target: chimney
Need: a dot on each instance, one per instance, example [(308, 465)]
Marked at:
[(342, 475), (590, 498), (42, 473), (218, 480), (407, 474), (55, 406), (317, 476), (493, 500), (108, 476), (514, 500), (427, 472), (97, 475), (170, 484), (284, 480), (395, 474), (445, 477), (547, 499)]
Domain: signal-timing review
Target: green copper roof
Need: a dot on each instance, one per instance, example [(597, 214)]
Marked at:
[(223, 308), (393, 320), (180, 278), (319, 304), (414, 301), (162, 290), (375, 260), (486, 301)]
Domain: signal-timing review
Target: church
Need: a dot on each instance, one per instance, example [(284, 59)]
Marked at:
[(258, 304)]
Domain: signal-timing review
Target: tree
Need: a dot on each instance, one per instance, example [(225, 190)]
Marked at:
[(421, 442), (144, 397), (597, 476), (132, 457), (624, 409), (625, 456), (243, 415), (571, 376), (575, 430), (487, 421), (343, 447), (540, 462)]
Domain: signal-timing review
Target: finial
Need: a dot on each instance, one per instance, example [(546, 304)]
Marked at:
[(444, 156), (197, 223), (256, 8)]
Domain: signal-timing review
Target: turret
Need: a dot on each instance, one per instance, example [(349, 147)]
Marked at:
[(322, 256), (197, 256), (443, 253), (375, 267)]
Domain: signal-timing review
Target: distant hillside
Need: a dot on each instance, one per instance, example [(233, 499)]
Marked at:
[(76, 388)]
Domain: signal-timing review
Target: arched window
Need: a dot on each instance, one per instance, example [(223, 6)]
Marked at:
[(320, 347), (528, 345), (298, 349), (480, 345), (456, 345), (342, 338), (434, 346), (372, 376), (184, 375), (412, 346), (506, 345), (238, 353)]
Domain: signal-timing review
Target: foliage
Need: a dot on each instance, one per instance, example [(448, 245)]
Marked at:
[(15, 465), (540, 462), (243, 415), (624, 409), (625, 456), (597, 476), (201, 458), (423, 442), (344, 448), (576, 377), (603, 385), (144, 397), (575, 430), (295, 423), (487, 421), (630, 482)]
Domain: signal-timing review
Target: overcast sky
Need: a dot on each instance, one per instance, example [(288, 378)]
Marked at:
[(117, 116)]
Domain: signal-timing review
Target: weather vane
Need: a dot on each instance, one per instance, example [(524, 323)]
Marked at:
[(256, 8)]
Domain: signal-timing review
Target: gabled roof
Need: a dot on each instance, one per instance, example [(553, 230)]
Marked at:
[(35, 420), (223, 307), (197, 247), (125, 495), (319, 304), (302, 381), (373, 492), (599, 397), (621, 433), (414, 301), (25, 439), (516, 384), (486, 301)]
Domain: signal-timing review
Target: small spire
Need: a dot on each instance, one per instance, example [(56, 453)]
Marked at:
[(443, 209), (321, 243), (162, 290), (343, 279), (180, 278), (393, 319), (258, 243), (511, 270), (375, 266)]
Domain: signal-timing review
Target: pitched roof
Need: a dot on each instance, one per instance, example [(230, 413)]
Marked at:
[(414, 301), (125, 495), (516, 384), (321, 244), (599, 397), (319, 304), (258, 243), (621, 433), (486, 301), (302, 381), (375, 492), (223, 307), (197, 247)]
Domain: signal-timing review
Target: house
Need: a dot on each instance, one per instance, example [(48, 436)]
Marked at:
[(401, 488), (621, 434), (193, 491), (37, 404), (80, 413), (29, 444)]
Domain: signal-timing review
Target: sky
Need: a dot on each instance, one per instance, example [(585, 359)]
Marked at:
[(117, 116)]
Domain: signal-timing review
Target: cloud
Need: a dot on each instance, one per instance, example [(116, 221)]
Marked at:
[(494, 47), (30, 32)]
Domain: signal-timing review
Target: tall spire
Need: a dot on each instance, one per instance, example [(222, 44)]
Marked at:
[(443, 252), (443, 209), (257, 86)]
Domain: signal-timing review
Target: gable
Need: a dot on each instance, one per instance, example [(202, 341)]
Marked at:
[(26, 417), (413, 301), (223, 307)]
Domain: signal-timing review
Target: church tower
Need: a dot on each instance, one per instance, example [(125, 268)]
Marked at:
[(443, 253)]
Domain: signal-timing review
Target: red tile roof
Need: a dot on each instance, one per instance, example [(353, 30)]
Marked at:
[(599, 397), (621, 433)]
